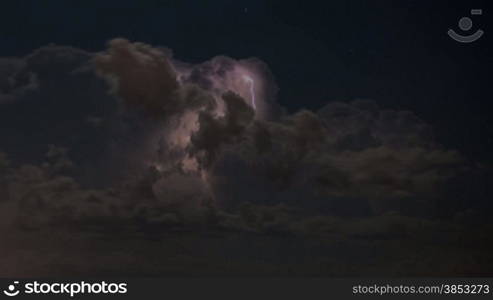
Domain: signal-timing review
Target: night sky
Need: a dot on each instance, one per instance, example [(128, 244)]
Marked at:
[(233, 138), (396, 53)]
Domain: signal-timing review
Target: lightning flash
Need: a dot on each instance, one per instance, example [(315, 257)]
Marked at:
[(251, 83)]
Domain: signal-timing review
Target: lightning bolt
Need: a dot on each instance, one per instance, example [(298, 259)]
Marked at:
[(250, 81)]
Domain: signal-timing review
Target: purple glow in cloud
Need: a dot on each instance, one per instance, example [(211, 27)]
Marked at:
[(251, 82)]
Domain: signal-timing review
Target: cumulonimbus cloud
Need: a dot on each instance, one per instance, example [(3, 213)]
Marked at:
[(195, 132)]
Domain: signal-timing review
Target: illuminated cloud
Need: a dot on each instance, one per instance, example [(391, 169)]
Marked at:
[(144, 129)]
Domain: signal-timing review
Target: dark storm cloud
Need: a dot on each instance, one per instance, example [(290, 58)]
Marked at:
[(143, 75), (363, 124), (13, 83), (213, 132), (52, 93), (350, 157), (176, 139)]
